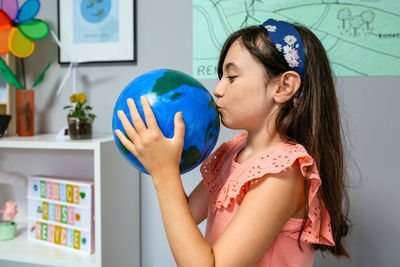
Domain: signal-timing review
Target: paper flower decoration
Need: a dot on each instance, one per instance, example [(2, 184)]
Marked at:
[(18, 28)]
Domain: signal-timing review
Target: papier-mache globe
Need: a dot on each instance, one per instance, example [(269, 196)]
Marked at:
[(168, 92)]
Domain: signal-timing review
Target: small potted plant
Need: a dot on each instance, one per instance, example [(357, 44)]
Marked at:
[(79, 119)]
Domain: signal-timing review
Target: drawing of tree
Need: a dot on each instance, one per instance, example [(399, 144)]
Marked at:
[(356, 22), (343, 15), (368, 16)]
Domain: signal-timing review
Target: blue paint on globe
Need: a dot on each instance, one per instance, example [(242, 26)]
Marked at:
[(171, 91)]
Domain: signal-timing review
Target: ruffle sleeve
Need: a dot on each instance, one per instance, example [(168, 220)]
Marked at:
[(211, 166), (224, 192)]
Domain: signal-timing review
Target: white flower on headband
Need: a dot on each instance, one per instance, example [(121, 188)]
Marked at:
[(270, 28), (291, 56), (290, 39), (279, 47)]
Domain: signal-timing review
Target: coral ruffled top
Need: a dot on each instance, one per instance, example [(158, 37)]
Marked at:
[(227, 183)]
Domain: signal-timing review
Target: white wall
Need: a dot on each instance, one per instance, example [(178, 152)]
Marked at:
[(164, 40)]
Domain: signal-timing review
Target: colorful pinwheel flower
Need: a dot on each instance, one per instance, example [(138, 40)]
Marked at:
[(18, 29)]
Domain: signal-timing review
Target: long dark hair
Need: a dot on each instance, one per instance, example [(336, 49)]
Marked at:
[(313, 123)]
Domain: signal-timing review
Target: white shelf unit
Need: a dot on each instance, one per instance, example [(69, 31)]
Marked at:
[(116, 191)]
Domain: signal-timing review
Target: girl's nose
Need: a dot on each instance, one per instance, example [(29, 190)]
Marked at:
[(219, 89)]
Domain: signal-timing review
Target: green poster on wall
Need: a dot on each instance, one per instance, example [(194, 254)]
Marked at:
[(361, 37)]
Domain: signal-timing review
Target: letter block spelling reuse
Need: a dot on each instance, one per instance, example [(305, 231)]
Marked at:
[(61, 212)]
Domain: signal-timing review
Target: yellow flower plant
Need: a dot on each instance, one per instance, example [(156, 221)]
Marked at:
[(79, 111)]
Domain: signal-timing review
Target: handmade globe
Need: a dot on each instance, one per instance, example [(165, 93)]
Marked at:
[(168, 92)]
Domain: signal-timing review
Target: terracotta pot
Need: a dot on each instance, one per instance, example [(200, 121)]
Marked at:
[(80, 129), (25, 112)]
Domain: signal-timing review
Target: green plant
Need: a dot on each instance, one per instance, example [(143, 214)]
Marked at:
[(79, 110)]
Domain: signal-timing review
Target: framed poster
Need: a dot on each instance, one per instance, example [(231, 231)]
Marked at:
[(96, 31)]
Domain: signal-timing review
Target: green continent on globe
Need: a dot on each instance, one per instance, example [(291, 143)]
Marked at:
[(176, 95), (215, 122), (212, 123), (172, 80), (190, 155)]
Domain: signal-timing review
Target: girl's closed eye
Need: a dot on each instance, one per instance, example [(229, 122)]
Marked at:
[(231, 78)]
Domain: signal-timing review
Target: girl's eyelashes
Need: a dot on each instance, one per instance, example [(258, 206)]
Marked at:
[(232, 77)]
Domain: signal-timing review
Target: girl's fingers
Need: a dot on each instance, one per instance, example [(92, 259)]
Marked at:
[(179, 130), (127, 125), (136, 118), (125, 142), (148, 114)]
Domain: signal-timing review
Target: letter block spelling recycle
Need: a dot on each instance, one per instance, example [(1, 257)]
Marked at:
[(61, 212)]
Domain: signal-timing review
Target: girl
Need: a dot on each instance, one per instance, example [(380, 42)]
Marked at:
[(274, 194)]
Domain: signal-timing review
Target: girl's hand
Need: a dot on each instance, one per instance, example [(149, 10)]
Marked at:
[(159, 155)]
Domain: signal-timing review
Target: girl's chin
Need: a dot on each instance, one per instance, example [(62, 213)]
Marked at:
[(229, 125)]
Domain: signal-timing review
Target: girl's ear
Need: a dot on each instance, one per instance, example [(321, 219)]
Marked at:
[(289, 83)]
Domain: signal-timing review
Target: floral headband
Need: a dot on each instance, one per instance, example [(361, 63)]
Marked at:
[(288, 41)]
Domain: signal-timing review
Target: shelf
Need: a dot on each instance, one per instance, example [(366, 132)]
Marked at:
[(21, 249), (50, 141), (116, 198)]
